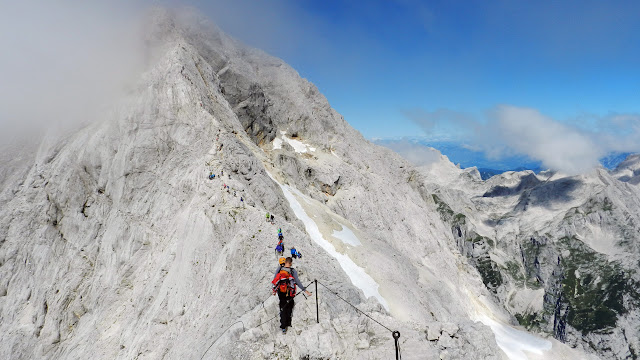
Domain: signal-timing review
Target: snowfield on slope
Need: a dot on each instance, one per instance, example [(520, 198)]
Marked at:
[(515, 343), (519, 344), (297, 145), (358, 275)]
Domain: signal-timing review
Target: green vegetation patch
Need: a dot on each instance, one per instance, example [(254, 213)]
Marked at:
[(594, 288), (515, 271), (443, 208), (491, 276), (459, 219), (528, 320)]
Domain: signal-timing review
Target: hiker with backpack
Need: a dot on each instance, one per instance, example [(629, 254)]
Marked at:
[(284, 284), (295, 253), (280, 248)]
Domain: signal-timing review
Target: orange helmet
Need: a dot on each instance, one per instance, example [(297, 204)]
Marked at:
[(281, 261)]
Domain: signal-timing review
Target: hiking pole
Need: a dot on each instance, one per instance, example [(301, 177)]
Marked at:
[(396, 336), (317, 312)]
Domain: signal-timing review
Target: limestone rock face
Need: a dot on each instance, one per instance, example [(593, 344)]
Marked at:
[(559, 252), (115, 244)]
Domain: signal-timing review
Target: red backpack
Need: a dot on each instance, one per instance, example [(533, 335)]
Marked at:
[(284, 282)]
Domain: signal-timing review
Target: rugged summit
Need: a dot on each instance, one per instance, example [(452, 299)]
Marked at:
[(114, 243)]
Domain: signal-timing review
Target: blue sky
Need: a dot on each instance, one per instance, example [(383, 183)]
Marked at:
[(556, 81), (376, 60)]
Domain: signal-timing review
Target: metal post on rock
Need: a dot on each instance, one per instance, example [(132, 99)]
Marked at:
[(317, 311), (396, 336)]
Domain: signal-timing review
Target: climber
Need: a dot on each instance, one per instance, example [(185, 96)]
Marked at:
[(267, 217), (280, 237), (284, 283), (279, 231), (295, 253), (272, 218), (280, 248), (212, 176)]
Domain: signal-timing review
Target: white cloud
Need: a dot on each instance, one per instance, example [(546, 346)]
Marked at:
[(61, 60), (570, 147), (415, 153), (556, 145)]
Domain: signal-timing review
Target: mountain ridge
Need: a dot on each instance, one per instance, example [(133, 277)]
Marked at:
[(115, 244)]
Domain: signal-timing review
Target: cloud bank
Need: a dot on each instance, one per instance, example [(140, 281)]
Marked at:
[(415, 153), (567, 147), (62, 60), (556, 145)]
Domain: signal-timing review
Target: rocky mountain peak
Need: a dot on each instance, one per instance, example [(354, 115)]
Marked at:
[(118, 242)]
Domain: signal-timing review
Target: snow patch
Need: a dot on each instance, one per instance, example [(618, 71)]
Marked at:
[(347, 236), (277, 143), (515, 343), (297, 145), (357, 275)]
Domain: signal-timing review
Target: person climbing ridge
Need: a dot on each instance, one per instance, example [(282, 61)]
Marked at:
[(272, 219), (280, 236), (295, 253), (284, 284), (280, 248), (267, 217)]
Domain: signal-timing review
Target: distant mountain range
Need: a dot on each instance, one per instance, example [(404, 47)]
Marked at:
[(467, 157)]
